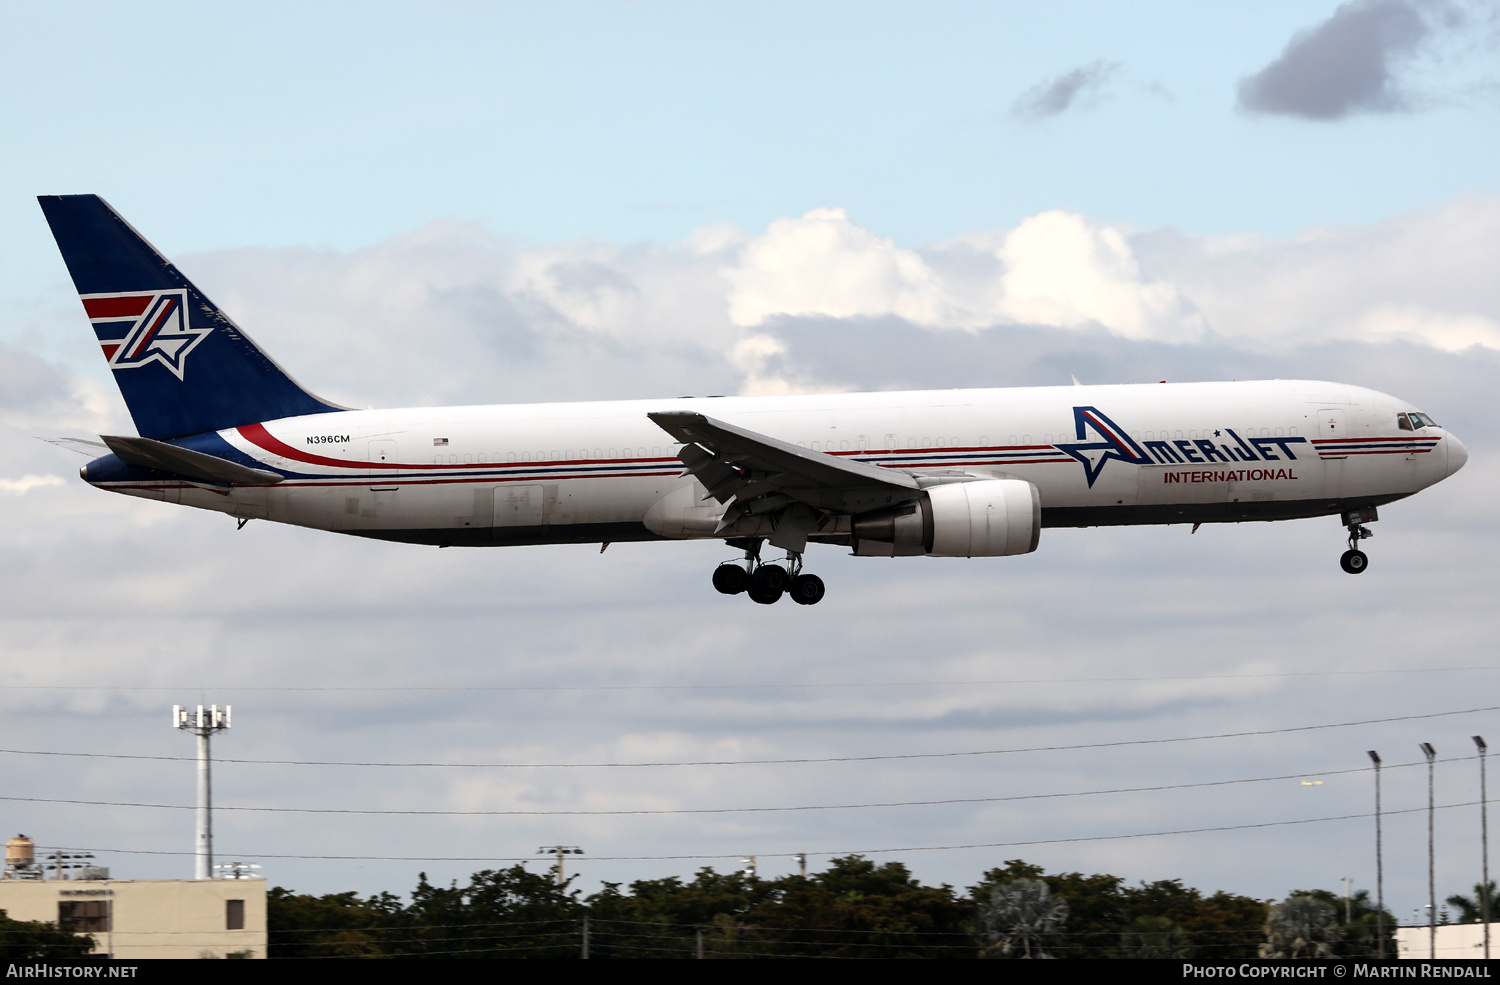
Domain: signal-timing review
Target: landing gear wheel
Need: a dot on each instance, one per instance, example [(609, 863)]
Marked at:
[(1354, 562), (730, 578), (764, 597), (807, 590), (768, 583), (771, 578)]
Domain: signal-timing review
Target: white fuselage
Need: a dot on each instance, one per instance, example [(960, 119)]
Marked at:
[(600, 471)]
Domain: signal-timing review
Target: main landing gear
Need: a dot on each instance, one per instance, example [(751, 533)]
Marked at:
[(1355, 561), (766, 583)]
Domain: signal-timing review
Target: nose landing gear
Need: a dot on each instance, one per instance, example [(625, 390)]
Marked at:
[(1354, 560), (766, 583)]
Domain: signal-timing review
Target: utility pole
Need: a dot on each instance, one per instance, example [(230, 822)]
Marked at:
[(1379, 865), (203, 723), (1484, 846), (1431, 754), (559, 851), (802, 863)]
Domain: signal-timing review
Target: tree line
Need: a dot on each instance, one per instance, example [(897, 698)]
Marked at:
[(855, 908)]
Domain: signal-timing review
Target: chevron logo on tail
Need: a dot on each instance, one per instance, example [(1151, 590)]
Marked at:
[(138, 329)]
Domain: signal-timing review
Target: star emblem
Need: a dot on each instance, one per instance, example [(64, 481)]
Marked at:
[(162, 335), (1113, 444)]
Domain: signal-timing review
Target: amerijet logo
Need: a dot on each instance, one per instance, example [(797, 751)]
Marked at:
[(1226, 447), (136, 330), (1113, 444)]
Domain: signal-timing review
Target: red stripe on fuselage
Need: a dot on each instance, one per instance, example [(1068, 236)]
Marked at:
[(130, 307), (257, 435)]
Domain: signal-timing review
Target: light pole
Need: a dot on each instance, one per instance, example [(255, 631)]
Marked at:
[(559, 851), (1379, 866), (203, 723), (1484, 846), (1431, 754)]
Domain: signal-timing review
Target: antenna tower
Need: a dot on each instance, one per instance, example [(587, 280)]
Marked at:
[(203, 723)]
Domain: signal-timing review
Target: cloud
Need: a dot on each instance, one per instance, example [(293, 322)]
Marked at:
[(451, 315), (1426, 278), (1056, 96), (724, 311), (1349, 63), (822, 263), (1056, 268), (23, 485), (1062, 270)]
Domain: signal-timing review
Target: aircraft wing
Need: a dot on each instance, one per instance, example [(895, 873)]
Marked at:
[(152, 454), (736, 463)]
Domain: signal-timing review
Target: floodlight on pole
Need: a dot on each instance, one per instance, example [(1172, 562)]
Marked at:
[(235, 870), (1431, 754), (1484, 845), (1379, 864), (203, 722)]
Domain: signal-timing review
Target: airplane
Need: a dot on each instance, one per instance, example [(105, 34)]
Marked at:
[(937, 473)]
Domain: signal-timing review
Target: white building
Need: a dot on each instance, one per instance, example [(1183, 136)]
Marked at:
[(1454, 940), (149, 918)]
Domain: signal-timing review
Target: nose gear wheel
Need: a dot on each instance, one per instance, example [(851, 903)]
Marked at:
[(1354, 561)]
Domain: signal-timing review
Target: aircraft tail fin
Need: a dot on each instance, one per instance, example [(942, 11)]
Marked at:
[(183, 366)]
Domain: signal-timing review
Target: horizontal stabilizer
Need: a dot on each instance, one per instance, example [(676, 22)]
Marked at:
[(82, 446), (152, 454)]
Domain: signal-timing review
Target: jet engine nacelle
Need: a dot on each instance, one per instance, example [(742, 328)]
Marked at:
[(983, 518)]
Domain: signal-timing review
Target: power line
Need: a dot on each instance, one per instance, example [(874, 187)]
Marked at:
[(837, 853), (786, 761), (722, 810), (754, 686)]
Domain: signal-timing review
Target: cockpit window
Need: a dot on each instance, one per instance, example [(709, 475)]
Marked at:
[(1403, 423), (1422, 420)]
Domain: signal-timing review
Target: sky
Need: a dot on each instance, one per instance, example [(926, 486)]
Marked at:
[(487, 203)]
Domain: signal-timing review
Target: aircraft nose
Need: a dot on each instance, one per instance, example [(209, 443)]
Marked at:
[(1457, 454)]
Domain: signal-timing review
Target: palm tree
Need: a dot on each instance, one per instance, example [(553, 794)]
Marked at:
[(1021, 917), (1471, 908), (1301, 927)]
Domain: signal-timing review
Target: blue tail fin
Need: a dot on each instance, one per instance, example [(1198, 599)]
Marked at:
[(182, 365)]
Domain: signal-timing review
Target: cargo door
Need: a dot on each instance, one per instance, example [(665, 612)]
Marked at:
[(1334, 458), (1330, 425)]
